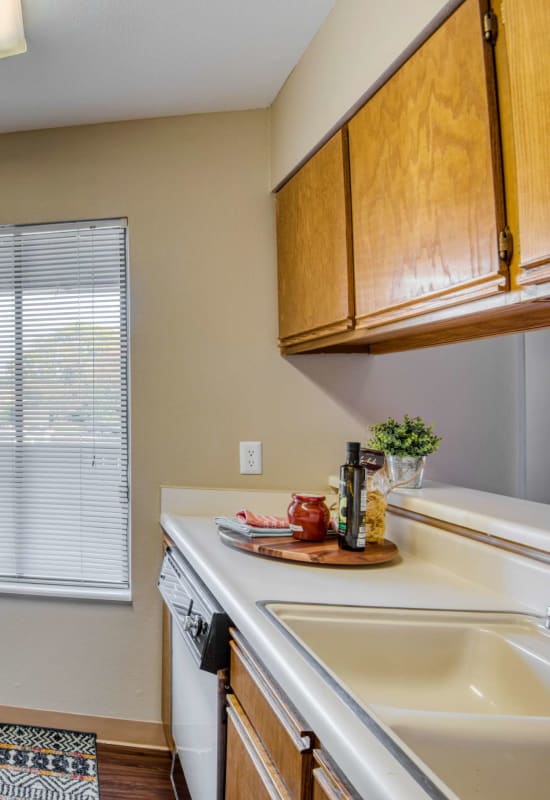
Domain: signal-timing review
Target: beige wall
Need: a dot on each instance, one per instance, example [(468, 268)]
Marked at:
[(358, 41), (205, 370), (537, 418)]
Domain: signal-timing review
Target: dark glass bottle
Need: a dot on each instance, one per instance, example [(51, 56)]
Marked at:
[(352, 501)]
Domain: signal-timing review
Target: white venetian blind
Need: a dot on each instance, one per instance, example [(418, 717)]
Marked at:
[(64, 405)]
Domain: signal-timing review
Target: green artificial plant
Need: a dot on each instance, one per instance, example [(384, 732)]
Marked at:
[(412, 437)]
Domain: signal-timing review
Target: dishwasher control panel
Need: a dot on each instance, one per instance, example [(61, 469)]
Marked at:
[(202, 623)]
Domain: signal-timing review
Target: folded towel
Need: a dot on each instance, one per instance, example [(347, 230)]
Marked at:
[(261, 520), (231, 525)]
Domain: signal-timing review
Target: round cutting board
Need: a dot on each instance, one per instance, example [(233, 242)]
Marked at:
[(326, 552)]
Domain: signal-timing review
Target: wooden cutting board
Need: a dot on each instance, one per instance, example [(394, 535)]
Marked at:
[(326, 552)]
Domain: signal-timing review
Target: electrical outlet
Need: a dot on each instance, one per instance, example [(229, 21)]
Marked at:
[(251, 458)]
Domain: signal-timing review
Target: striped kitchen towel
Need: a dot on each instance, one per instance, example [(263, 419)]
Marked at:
[(233, 525), (261, 520)]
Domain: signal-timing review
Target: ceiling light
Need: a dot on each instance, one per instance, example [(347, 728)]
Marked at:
[(12, 35)]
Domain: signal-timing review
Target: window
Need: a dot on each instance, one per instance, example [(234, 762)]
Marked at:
[(64, 496)]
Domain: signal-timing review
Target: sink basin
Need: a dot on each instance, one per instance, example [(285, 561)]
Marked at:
[(457, 661), (485, 758), (467, 692)]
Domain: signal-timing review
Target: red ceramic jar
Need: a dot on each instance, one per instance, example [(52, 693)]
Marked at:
[(309, 517)]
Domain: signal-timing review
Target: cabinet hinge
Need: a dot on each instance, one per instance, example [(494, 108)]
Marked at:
[(490, 27), (505, 245)]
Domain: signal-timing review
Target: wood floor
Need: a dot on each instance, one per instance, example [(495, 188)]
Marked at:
[(127, 775)]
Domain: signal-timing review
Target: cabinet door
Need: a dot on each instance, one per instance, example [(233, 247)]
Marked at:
[(250, 772), (328, 782), (276, 722), (314, 248), (523, 66), (426, 180)]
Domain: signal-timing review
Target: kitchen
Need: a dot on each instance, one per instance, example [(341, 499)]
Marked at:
[(196, 191)]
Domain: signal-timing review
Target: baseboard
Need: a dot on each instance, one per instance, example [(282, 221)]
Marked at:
[(129, 733), (126, 752)]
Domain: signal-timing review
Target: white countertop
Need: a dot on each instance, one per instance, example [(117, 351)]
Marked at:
[(435, 570)]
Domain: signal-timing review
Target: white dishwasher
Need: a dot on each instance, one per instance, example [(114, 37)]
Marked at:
[(199, 658)]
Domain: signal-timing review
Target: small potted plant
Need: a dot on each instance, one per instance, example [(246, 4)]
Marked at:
[(406, 445)]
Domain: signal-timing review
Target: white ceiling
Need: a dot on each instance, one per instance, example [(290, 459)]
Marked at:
[(101, 60)]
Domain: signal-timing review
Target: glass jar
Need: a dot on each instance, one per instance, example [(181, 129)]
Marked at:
[(406, 471), (375, 520), (377, 491), (308, 517)]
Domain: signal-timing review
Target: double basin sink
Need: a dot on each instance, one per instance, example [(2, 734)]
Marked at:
[(466, 692)]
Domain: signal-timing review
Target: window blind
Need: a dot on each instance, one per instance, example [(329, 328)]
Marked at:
[(64, 498)]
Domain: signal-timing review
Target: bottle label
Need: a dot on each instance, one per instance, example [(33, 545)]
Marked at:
[(372, 459), (295, 527), (362, 534), (342, 507)]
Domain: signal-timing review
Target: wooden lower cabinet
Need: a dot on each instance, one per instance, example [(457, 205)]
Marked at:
[(270, 749), (274, 719), (328, 782), (250, 772)]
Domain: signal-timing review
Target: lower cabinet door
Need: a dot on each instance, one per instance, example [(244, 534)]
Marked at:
[(250, 773), (328, 782), (323, 789), (278, 725)]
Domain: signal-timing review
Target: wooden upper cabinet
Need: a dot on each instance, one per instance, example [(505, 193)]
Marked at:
[(314, 247), (523, 67), (426, 179)]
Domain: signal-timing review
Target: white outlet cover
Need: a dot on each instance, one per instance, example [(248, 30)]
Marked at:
[(250, 454)]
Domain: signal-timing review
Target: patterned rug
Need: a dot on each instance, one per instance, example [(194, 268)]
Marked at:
[(47, 764)]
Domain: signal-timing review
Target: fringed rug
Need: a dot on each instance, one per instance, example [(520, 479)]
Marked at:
[(47, 764)]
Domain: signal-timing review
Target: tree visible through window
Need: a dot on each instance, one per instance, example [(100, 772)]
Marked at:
[(64, 404)]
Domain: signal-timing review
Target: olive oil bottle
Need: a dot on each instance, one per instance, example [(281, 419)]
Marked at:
[(352, 501)]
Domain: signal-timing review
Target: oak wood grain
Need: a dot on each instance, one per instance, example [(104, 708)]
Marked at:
[(250, 772), (426, 179), (510, 312), (275, 721), (523, 68), (325, 553), (328, 781), (129, 774), (315, 266)]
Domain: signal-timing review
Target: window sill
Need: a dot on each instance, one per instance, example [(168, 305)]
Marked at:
[(67, 592)]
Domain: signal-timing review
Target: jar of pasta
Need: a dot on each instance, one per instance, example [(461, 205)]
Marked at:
[(377, 490)]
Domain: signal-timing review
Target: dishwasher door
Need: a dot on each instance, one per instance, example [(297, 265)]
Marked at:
[(198, 725)]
